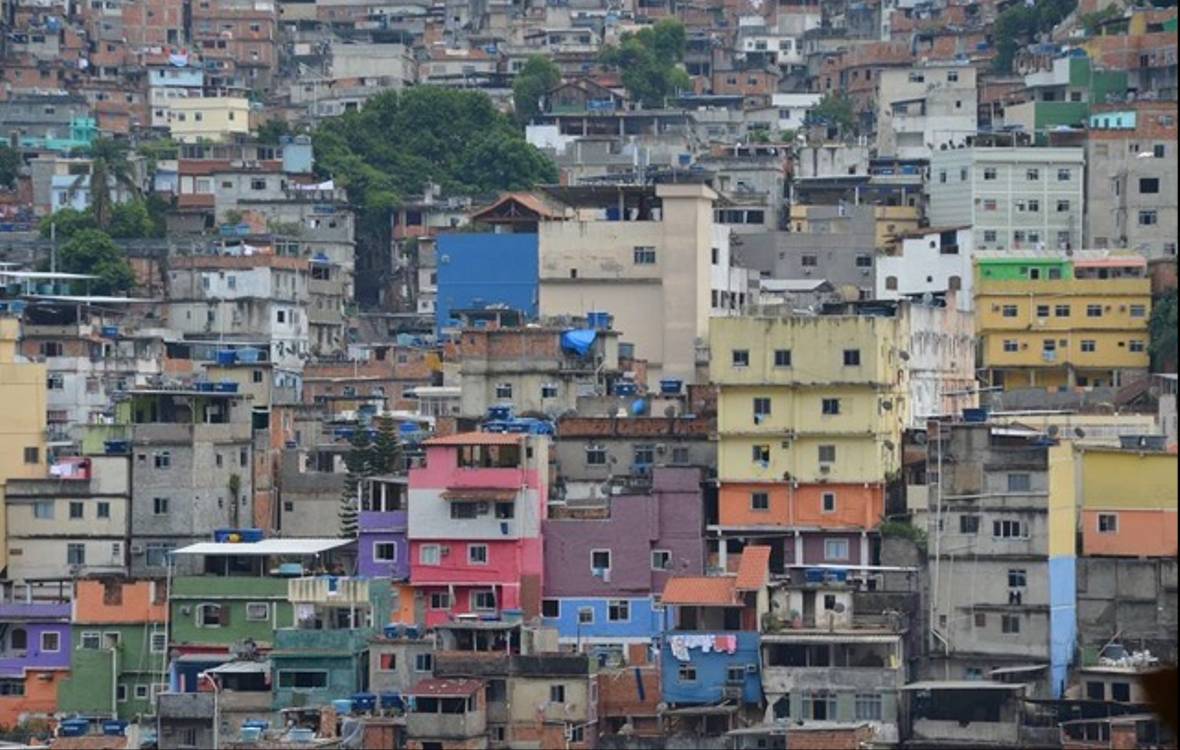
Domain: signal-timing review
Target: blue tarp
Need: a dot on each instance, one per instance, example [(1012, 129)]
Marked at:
[(578, 340)]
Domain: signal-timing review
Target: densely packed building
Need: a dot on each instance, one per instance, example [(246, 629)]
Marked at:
[(822, 394)]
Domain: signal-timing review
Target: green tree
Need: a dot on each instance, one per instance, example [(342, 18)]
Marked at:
[(538, 75), (386, 451), (131, 220), (270, 131), (649, 61), (1163, 333), (1019, 24), (358, 464), (66, 223), (10, 163), (835, 109), (92, 251), (109, 167)]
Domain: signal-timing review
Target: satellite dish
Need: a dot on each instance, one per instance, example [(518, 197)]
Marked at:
[(927, 298), (1053, 430), (1079, 432), (839, 607), (888, 445), (670, 410), (905, 356)]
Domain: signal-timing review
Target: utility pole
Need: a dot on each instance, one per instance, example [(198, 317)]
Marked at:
[(53, 247)]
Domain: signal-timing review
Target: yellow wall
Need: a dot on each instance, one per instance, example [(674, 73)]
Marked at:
[(1128, 479), (857, 459), (220, 116), (23, 396), (1063, 493)]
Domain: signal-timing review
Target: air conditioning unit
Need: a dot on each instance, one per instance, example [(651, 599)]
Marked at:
[(137, 549), (661, 449), (786, 444), (444, 550), (825, 468), (751, 669)]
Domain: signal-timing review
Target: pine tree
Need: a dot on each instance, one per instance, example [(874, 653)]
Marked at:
[(357, 461), (386, 450)]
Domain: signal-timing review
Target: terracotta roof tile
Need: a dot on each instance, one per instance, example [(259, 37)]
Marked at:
[(446, 687), (705, 591), (753, 569), (478, 438)]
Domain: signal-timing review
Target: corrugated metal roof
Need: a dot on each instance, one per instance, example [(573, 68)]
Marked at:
[(706, 591), (753, 568), (242, 667), (962, 685), (443, 687), (265, 547), (478, 438)]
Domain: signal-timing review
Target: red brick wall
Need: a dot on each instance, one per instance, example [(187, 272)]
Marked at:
[(828, 739)]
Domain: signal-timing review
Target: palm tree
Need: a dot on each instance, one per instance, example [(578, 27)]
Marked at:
[(108, 164)]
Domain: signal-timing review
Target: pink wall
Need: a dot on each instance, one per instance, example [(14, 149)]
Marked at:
[(1141, 533)]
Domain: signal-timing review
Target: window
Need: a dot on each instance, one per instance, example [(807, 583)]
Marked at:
[(851, 357), (644, 256), (1089, 345), (819, 705), (828, 502), (1017, 578), (595, 455), (891, 283), (599, 560), (461, 510), (32, 455), (440, 600), (830, 406), (868, 707), (504, 390), (1034, 206), (1042, 311), (159, 642), (163, 459), (989, 173), (968, 524), (1009, 311), (209, 616), (90, 641), (782, 357), (1009, 624), (428, 554), (980, 620), (50, 642), (1032, 175), (585, 615), (423, 662), (1148, 218), (1138, 311), (1093, 311), (1011, 345), (618, 610), (1009, 530), (257, 611), (548, 390), (551, 608), (505, 510), (644, 455), (809, 261), (1120, 692), (1136, 345), (761, 409), (1061, 311), (384, 551), (477, 554), (687, 673), (43, 509), (159, 505), (864, 261), (75, 554), (835, 549), (680, 455), (121, 693), (1019, 482), (157, 554), (741, 357), (1108, 523), (735, 674), (1063, 175), (761, 454), (304, 679), (661, 559), (759, 501), (942, 176), (827, 454), (483, 601), (557, 693)]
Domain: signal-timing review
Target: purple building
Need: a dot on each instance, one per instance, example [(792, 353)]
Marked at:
[(382, 549), (604, 565), (34, 637)]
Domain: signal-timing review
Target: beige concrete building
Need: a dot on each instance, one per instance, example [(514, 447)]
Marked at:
[(654, 260), (22, 430)]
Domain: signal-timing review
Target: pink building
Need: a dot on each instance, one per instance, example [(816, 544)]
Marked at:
[(474, 527)]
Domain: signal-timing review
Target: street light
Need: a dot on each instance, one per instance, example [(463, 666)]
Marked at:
[(216, 709)]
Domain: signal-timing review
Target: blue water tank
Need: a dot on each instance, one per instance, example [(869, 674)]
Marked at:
[(262, 724), (813, 575), (248, 355), (110, 332), (117, 447), (73, 728), (393, 631), (624, 389), (599, 320), (114, 727), (227, 386), (250, 734), (343, 706), (411, 631), (671, 386), (243, 535), (226, 356), (638, 406), (364, 701), (392, 700), (975, 415)]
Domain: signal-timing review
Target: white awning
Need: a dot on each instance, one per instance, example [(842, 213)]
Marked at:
[(264, 548), (1018, 670)]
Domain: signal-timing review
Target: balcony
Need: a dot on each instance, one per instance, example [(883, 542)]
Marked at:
[(486, 478), (329, 590), (446, 720)]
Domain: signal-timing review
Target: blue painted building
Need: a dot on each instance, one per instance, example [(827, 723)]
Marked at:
[(477, 270), (598, 620), (710, 677)]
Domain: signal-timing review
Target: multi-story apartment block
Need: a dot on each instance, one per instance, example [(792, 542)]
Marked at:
[(1015, 198), (211, 118), (1046, 319), (805, 441), (23, 389), (475, 512), (932, 259), (35, 657), (925, 108), (167, 83), (383, 550), (1130, 194), (608, 564)]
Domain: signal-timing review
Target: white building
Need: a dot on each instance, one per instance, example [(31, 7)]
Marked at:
[(793, 109), (1014, 198), (925, 108), (928, 260)]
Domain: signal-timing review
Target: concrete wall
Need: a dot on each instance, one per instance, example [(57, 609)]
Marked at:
[(1134, 598)]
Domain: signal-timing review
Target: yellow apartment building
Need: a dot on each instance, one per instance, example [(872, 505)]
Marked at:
[(213, 118), (23, 428), (1051, 319)]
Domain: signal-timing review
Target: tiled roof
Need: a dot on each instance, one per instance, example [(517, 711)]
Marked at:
[(444, 687), (705, 591), (478, 438), (754, 568)]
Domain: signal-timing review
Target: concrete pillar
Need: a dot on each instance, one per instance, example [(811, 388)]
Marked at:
[(798, 548), (864, 551), (722, 553)]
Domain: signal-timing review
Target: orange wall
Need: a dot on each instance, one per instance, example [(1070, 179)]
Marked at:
[(857, 506), (40, 697), (137, 604), (1142, 533)]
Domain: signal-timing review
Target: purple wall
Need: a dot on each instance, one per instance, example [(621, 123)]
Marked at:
[(35, 619), (813, 548), (383, 527), (671, 518)]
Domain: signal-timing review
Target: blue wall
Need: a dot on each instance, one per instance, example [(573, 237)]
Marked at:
[(1063, 619), (711, 671), (475, 270), (644, 623)]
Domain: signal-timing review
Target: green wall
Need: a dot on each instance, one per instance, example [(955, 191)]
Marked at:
[(232, 593), (88, 689)]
